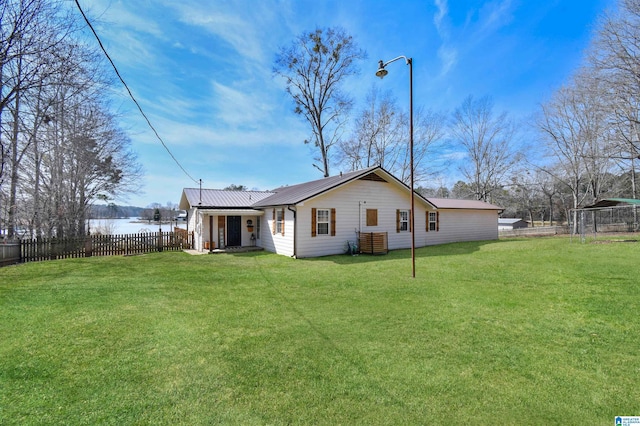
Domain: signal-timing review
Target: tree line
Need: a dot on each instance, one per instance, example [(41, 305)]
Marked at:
[(581, 145), (61, 148)]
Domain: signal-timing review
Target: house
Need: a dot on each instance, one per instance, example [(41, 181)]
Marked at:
[(508, 224), (318, 218)]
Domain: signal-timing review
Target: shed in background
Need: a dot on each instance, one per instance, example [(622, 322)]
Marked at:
[(508, 224)]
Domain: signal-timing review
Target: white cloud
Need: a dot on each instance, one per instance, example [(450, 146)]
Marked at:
[(245, 26), (449, 57), (124, 16), (239, 107), (494, 15), (447, 53), (443, 9)]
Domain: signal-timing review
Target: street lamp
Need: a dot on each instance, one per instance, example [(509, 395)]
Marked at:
[(381, 73)]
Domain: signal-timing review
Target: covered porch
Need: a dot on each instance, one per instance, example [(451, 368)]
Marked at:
[(224, 230)]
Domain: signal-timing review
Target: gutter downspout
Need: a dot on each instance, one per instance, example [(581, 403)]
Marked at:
[(295, 230)]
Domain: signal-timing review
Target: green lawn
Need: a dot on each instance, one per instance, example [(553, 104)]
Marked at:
[(535, 331)]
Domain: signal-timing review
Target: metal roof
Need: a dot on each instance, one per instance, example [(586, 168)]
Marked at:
[(613, 202), (451, 203), (294, 194), (220, 198), (505, 220)]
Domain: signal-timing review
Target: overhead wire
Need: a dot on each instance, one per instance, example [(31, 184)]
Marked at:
[(131, 94)]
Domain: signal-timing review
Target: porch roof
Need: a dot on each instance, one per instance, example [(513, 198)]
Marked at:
[(220, 198), (231, 212)]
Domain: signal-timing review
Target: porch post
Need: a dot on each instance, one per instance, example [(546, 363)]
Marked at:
[(210, 233)]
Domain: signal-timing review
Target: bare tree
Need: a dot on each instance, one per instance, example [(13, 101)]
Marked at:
[(428, 132), (314, 67), (615, 57), (30, 34), (31, 31), (64, 149), (487, 141), (377, 132), (574, 130), (381, 137)]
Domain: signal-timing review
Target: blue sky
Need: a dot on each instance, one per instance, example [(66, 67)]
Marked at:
[(202, 72)]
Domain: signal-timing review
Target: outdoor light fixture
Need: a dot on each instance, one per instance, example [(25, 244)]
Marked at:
[(381, 73)]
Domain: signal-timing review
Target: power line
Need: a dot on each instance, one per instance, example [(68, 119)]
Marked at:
[(131, 94)]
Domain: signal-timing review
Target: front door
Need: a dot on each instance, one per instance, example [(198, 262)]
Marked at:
[(234, 231)]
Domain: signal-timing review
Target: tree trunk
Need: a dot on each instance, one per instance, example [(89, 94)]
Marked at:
[(13, 183)]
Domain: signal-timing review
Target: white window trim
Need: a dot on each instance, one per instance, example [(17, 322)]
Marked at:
[(405, 221), (327, 221), (433, 222)]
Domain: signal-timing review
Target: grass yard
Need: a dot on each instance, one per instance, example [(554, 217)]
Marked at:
[(531, 331)]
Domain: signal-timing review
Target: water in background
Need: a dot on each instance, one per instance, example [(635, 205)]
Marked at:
[(130, 226)]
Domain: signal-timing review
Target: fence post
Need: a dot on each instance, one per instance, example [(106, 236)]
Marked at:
[(88, 246), (52, 251)]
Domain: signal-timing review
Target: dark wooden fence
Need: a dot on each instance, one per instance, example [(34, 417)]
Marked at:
[(34, 250), (9, 252)]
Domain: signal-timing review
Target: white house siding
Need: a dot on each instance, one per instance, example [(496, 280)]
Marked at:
[(277, 243), (192, 223), (246, 235), (463, 225), (349, 202)]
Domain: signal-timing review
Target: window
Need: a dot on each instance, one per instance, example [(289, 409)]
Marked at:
[(403, 220), (433, 221), (322, 222), (280, 221), (372, 217)]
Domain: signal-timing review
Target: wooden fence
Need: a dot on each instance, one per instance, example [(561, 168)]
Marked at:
[(9, 252), (34, 250), (536, 231)]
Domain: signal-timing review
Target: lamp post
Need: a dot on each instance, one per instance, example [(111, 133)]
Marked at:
[(381, 73)]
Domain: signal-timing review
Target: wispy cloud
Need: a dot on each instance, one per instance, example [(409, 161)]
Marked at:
[(479, 24), (494, 15), (447, 53), (245, 26), (124, 16), (202, 71), (438, 18), (239, 108)]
